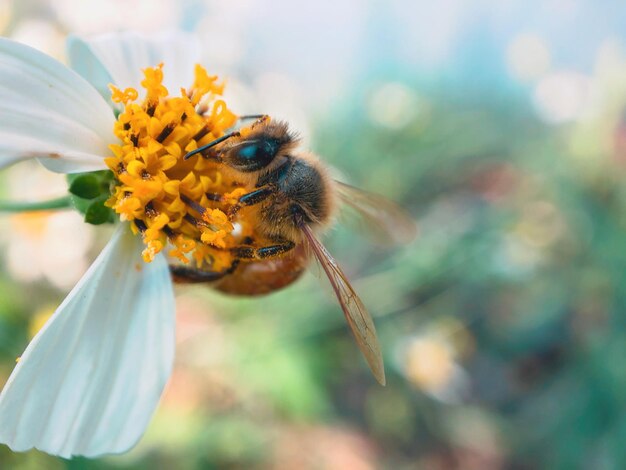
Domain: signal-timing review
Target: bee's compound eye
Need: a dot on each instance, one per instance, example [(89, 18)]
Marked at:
[(249, 151), (254, 154)]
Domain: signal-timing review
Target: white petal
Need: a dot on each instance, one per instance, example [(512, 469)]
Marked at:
[(48, 111), (119, 58), (90, 380)]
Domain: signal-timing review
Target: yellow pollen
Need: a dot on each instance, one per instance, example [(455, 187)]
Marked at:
[(154, 180), (233, 196), (119, 96)]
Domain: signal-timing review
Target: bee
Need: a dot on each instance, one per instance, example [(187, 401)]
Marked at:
[(296, 200)]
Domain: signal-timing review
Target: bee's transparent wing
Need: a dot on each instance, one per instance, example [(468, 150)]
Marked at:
[(355, 312), (389, 224)]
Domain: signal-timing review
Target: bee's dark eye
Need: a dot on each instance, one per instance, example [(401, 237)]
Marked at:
[(253, 155)]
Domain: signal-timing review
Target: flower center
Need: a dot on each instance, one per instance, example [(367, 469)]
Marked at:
[(168, 199)]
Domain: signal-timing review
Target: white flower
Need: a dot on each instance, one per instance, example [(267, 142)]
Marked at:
[(90, 380)]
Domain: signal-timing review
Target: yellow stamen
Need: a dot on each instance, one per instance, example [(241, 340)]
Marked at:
[(119, 96), (154, 180), (233, 196), (183, 246)]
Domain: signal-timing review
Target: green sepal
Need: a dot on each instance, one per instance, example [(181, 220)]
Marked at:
[(86, 186), (89, 193), (97, 213), (103, 178), (80, 204)]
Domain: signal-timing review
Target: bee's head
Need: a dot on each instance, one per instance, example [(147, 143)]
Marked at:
[(252, 148)]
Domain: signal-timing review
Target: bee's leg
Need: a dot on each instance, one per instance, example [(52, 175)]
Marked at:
[(186, 274), (249, 253), (252, 198), (248, 199)]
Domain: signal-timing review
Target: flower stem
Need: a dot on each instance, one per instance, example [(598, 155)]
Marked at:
[(14, 206)]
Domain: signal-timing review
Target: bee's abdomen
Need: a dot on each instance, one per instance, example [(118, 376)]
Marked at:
[(265, 276)]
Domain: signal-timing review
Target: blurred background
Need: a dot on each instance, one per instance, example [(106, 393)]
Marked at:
[(500, 126)]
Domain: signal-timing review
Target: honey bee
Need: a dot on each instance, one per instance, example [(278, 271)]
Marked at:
[(296, 200)]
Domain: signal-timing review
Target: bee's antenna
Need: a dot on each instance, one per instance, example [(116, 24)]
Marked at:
[(260, 118), (251, 116), (211, 144)]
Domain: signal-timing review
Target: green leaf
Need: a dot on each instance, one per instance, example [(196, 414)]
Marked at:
[(89, 191), (80, 204), (86, 186), (97, 213)]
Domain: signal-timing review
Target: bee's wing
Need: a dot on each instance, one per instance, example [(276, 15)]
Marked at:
[(355, 312), (386, 221)]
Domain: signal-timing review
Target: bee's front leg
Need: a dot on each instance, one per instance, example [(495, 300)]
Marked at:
[(249, 199)]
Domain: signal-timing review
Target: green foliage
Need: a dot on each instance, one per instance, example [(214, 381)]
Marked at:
[(97, 213), (89, 193), (85, 186)]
